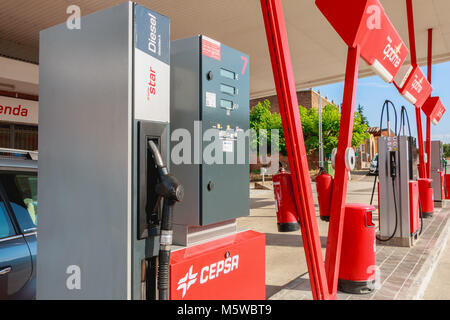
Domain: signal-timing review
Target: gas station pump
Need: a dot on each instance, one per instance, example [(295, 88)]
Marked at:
[(118, 219), (210, 102), (398, 190), (104, 138), (437, 172)]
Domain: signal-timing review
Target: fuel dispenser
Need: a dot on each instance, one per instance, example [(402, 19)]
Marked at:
[(103, 139), (416, 89), (398, 190), (210, 104), (117, 219), (437, 172)]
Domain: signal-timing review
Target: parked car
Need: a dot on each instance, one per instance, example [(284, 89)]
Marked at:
[(374, 165), (18, 224)]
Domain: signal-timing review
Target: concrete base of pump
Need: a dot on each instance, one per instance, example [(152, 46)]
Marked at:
[(356, 287), (288, 226), (427, 215)]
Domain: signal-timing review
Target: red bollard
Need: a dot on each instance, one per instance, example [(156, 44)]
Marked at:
[(324, 186), (426, 197), (358, 255), (414, 209), (447, 186), (287, 216)]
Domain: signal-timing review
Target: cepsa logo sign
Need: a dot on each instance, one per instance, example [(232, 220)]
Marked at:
[(417, 84), (392, 53), (208, 273)]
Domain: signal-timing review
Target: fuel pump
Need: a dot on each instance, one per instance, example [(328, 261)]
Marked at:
[(105, 192), (119, 219), (398, 200), (210, 258), (437, 173)]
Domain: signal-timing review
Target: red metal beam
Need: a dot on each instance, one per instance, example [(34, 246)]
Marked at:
[(335, 231), (412, 47), (429, 66), (287, 99), (411, 32)]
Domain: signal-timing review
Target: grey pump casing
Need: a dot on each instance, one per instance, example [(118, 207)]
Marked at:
[(93, 98), (406, 159), (214, 193), (437, 166)]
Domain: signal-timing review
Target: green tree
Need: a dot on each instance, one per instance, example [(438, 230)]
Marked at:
[(446, 148), (262, 118), (360, 110)]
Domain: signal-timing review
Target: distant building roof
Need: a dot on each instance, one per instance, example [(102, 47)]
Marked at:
[(375, 131)]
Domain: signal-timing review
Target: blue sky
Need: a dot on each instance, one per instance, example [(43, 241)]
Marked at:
[(372, 92)]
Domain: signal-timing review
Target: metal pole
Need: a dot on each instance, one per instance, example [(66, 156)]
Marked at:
[(429, 66), (412, 45), (335, 231), (320, 133), (280, 56)]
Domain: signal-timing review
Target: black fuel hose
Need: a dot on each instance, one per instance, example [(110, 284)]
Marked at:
[(403, 116), (386, 105), (421, 217), (172, 192)]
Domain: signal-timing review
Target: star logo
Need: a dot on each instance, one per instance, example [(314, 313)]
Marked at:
[(397, 50), (187, 281)]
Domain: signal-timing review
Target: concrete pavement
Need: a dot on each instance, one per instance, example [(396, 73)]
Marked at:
[(405, 273), (439, 286)]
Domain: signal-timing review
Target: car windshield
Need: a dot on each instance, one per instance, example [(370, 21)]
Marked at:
[(21, 189)]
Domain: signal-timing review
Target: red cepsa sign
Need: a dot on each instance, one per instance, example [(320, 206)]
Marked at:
[(365, 23), (230, 268), (415, 87), (434, 109)]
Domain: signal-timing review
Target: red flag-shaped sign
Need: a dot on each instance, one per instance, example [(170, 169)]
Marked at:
[(365, 23), (434, 109), (414, 86)]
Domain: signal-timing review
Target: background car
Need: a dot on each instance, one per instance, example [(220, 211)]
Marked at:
[(374, 165), (18, 221)]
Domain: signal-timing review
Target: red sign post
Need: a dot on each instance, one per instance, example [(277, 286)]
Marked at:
[(412, 44), (283, 74), (369, 34), (366, 29)]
